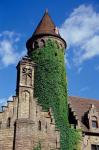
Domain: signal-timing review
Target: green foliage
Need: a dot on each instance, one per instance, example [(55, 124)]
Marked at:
[(38, 147), (50, 88)]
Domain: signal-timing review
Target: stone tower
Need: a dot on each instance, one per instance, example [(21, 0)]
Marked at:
[(23, 122), (46, 48)]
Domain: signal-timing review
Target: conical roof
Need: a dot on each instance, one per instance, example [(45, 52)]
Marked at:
[(46, 26)]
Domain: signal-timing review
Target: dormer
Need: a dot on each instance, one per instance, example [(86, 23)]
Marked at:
[(93, 118)]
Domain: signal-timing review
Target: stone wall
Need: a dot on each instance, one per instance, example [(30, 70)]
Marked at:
[(26, 133), (23, 122), (89, 140), (6, 139)]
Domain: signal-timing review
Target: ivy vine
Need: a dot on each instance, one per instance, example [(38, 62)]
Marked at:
[(50, 87), (38, 147)]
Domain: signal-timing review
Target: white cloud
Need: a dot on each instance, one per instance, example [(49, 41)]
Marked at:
[(67, 61), (3, 101), (8, 48), (10, 98), (81, 31), (84, 89), (79, 70), (97, 68)]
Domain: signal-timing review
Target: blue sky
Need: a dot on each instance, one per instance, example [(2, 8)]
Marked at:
[(78, 22)]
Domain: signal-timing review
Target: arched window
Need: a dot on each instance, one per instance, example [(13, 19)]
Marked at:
[(8, 122), (39, 125), (61, 46), (57, 44), (94, 122), (42, 43)]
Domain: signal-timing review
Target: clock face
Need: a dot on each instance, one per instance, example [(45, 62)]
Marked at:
[(27, 72)]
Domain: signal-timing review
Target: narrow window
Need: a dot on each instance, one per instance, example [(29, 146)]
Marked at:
[(61, 45), (94, 122), (36, 111), (8, 122), (51, 120), (55, 54), (94, 147), (39, 125), (0, 124), (56, 142), (46, 126), (42, 43)]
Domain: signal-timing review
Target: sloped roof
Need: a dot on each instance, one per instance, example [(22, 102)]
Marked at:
[(81, 105), (46, 26)]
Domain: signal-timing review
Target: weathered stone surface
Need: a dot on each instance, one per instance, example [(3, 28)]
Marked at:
[(23, 122)]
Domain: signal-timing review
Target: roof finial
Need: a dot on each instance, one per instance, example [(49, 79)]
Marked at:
[(46, 10)]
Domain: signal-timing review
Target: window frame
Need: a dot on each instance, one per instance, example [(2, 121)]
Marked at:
[(94, 147), (94, 124)]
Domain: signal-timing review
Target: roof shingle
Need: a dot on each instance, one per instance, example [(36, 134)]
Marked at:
[(82, 105), (46, 26)]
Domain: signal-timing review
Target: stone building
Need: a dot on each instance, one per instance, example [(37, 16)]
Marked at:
[(84, 115), (23, 122)]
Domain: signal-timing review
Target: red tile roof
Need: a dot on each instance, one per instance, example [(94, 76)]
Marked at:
[(46, 26), (81, 105)]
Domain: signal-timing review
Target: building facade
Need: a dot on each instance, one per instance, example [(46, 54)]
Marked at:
[(84, 115), (23, 122)]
